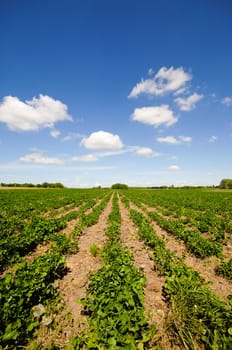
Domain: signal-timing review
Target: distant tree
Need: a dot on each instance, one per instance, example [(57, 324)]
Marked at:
[(119, 186), (44, 185), (226, 184), (59, 185)]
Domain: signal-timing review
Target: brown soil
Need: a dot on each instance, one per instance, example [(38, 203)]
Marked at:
[(59, 212), (154, 304), (227, 249), (41, 249), (156, 309), (74, 284), (206, 268)]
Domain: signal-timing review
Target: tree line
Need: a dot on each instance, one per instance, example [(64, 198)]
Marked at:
[(43, 185)]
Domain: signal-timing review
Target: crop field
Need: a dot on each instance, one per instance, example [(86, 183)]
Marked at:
[(116, 269)]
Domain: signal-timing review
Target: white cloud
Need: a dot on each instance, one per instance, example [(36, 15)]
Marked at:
[(146, 152), (185, 138), (39, 158), (112, 153), (102, 140), (86, 158), (55, 133), (180, 91), (165, 81), (155, 116), (213, 138), (167, 139), (72, 136), (173, 140), (42, 112), (188, 103), (227, 101), (174, 167)]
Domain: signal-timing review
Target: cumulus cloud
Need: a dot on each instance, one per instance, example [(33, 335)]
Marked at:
[(38, 113), (85, 158), (213, 138), (146, 152), (55, 133), (165, 81), (174, 140), (174, 167), (227, 101), (155, 116), (188, 103), (102, 140), (39, 158)]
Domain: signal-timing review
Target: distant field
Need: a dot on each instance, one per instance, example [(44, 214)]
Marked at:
[(115, 269)]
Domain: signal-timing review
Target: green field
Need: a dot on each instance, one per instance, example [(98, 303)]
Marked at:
[(115, 269)]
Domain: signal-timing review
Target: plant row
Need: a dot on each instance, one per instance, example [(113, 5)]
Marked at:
[(206, 211), (115, 300), (194, 241), (19, 206), (27, 293), (39, 229), (199, 318), (24, 297)]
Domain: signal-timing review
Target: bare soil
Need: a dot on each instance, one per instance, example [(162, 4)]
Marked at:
[(156, 309), (206, 267), (154, 303), (72, 287), (71, 321)]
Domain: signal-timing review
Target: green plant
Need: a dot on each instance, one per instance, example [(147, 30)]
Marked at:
[(225, 269), (94, 250)]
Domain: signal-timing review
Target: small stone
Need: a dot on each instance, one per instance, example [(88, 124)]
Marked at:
[(38, 310), (46, 320)]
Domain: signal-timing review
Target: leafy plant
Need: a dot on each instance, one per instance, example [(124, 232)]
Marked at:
[(225, 269), (94, 250), (20, 294), (114, 301)]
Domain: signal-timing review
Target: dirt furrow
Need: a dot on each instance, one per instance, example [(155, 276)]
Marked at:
[(73, 286), (206, 267), (70, 321), (56, 213), (155, 307)]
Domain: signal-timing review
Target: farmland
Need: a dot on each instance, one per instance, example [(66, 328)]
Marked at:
[(116, 269)]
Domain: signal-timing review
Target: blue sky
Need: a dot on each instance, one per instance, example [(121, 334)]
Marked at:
[(95, 92)]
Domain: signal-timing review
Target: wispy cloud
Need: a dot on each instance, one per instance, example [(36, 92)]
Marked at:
[(85, 158), (72, 136), (39, 158), (155, 116), (227, 101), (38, 113), (174, 168), (55, 133), (188, 103), (173, 140), (164, 81), (213, 138)]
